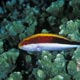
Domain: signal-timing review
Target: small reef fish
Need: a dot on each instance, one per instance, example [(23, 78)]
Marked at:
[(50, 42)]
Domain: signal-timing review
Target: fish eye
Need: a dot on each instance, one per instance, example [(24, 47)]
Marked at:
[(38, 48)]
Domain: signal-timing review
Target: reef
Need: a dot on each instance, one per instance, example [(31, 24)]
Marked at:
[(23, 18)]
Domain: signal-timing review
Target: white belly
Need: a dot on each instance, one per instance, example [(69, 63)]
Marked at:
[(56, 46), (47, 46)]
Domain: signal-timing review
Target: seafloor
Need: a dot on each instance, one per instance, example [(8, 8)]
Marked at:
[(22, 18)]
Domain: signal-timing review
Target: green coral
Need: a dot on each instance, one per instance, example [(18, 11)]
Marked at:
[(15, 76), (44, 31), (30, 20), (60, 62), (72, 68), (58, 77), (1, 46), (46, 56), (45, 64), (15, 28), (51, 20), (77, 76), (71, 28), (45, 61), (39, 74), (7, 62), (51, 66), (22, 36), (76, 10), (55, 7), (76, 55), (66, 76), (28, 59)]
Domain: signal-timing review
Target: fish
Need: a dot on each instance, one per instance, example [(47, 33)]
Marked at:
[(47, 41)]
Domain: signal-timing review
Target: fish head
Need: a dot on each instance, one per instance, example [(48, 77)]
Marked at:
[(30, 47)]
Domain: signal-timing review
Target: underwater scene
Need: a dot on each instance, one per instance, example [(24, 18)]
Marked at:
[(40, 40)]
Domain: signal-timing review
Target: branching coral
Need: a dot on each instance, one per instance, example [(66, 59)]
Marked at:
[(15, 76), (1, 46), (7, 62), (49, 66), (71, 29), (55, 7)]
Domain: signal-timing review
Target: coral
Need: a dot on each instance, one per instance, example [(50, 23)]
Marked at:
[(48, 67), (51, 20), (10, 4), (39, 74), (22, 36), (30, 20), (7, 62), (77, 76), (58, 77), (55, 7), (28, 59), (15, 76), (66, 76), (1, 46), (71, 29), (72, 68), (30, 30), (76, 10), (60, 62), (76, 57), (1, 10), (15, 28), (44, 31)]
